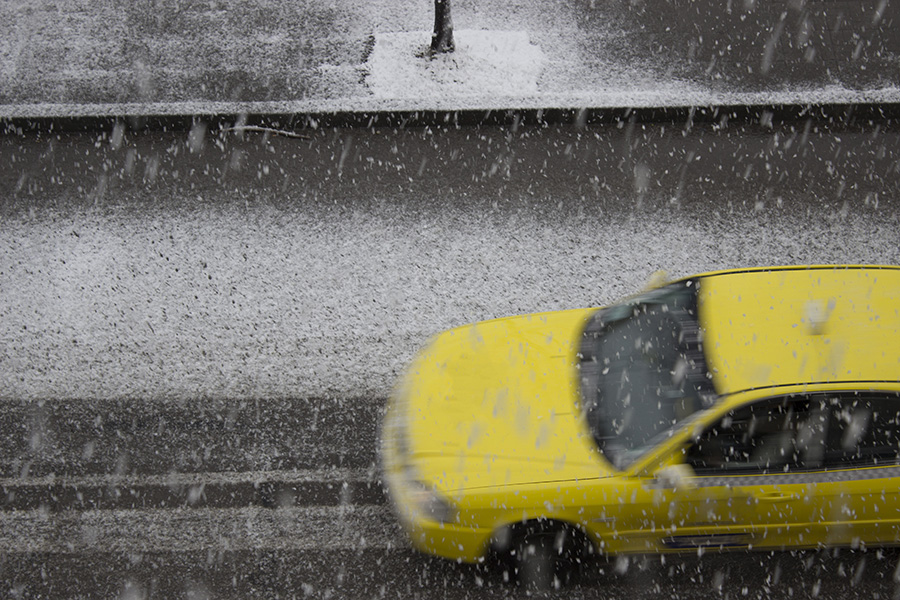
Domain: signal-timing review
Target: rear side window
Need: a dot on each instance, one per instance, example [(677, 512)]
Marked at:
[(864, 431)]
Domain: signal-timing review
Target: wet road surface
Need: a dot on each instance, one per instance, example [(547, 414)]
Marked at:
[(225, 527), (202, 263)]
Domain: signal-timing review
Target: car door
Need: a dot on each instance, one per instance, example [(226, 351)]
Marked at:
[(751, 477), (732, 484), (859, 494)]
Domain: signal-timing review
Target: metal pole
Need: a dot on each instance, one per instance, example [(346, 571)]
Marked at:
[(442, 38)]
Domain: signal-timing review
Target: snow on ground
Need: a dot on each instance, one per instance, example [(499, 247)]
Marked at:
[(244, 302), (484, 63)]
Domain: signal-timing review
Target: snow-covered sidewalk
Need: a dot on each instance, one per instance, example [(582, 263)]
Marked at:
[(116, 57)]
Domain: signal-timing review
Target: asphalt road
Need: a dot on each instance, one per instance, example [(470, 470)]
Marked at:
[(156, 455), (203, 264), (196, 509), (164, 501)]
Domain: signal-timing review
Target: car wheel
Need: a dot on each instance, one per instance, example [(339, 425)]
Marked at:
[(546, 558), (536, 567)]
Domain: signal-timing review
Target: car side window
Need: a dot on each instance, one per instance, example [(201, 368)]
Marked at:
[(864, 430), (777, 435)]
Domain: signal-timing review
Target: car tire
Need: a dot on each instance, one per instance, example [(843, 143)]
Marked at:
[(546, 556), (536, 563)]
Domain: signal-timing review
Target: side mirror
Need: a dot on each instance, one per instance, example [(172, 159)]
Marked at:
[(676, 477), (657, 279)]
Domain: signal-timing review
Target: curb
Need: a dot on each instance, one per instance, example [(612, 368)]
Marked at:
[(764, 114)]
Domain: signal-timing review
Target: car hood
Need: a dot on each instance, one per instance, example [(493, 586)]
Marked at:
[(496, 403)]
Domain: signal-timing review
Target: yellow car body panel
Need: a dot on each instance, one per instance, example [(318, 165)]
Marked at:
[(771, 511), (486, 428), (769, 328), (513, 415)]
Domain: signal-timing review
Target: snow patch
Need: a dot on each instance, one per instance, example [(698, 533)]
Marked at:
[(485, 63)]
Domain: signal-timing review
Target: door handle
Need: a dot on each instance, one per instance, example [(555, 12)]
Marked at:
[(774, 497)]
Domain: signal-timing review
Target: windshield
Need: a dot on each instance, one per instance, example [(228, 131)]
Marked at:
[(643, 371)]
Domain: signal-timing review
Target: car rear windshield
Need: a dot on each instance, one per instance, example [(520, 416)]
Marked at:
[(643, 371)]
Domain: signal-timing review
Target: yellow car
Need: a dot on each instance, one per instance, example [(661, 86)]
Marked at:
[(745, 409)]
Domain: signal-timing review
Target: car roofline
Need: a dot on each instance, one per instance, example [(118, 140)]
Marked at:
[(843, 384), (815, 267)]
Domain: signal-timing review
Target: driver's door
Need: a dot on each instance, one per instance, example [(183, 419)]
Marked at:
[(749, 480)]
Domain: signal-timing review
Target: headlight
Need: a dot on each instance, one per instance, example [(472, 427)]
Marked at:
[(429, 504), (414, 498)]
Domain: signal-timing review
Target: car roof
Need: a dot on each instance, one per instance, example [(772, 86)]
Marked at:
[(800, 325)]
